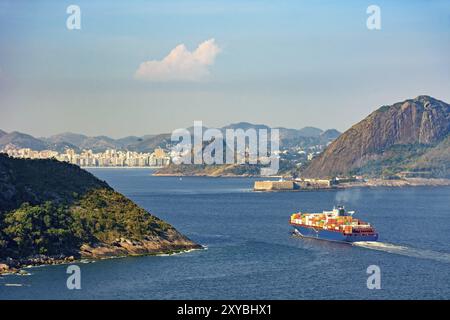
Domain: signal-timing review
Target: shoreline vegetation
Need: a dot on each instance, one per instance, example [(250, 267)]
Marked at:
[(53, 212)]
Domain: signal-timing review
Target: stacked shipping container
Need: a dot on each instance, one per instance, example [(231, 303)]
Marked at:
[(326, 221)]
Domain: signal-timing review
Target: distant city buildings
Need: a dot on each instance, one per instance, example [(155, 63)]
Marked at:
[(297, 155), (87, 158)]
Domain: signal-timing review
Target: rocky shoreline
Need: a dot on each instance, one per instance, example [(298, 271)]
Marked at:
[(16, 266), (117, 249), (149, 246)]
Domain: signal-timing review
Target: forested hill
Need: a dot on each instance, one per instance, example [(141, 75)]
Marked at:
[(37, 181), (53, 208)]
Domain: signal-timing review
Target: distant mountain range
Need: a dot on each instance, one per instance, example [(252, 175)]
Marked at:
[(409, 138), (289, 137), (22, 140)]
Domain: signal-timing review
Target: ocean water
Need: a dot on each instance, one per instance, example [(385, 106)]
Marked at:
[(251, 253)]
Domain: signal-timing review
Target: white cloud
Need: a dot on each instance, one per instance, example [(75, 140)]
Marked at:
[(180, 64)]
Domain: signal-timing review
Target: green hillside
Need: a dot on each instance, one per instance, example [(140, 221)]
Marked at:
[(53, 208)]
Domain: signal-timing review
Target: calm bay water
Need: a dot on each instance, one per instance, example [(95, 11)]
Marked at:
[(250, 253)]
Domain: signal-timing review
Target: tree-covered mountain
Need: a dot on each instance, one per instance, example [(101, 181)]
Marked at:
[(407, 138), (53, 208)]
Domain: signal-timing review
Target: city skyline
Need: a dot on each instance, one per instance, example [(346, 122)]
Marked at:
[(151, 67), (88, 158)]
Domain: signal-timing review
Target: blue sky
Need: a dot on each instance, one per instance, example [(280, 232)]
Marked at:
[(281, 63)]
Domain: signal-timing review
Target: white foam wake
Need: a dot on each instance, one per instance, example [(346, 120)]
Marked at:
[(405, 251)]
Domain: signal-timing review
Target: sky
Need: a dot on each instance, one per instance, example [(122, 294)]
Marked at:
[(146, 67)]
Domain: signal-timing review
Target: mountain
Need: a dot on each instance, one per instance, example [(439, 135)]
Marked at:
[(306, 132), (245, 126), (99, 144), (330, 135), (150, 144), (410, 136), (22, 140), (304, 137), (435, 160), (96, 144), (68, 137), (126, 141), (61, 146), (52, 209), (310, 132)]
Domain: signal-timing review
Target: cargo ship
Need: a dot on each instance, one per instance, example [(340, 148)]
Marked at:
[(336, 225)]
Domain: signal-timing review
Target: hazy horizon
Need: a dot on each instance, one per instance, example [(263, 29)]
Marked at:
[(155, 133), (149, 67)]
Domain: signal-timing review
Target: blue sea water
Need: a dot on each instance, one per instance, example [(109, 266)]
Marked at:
[(252, 255)]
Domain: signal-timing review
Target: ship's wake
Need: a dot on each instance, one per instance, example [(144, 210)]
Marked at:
[(405, 251)]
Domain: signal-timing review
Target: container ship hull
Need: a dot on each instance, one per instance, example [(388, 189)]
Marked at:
[(330, 235)]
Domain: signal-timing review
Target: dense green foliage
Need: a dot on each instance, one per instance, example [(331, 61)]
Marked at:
[(105, 215), (37, 181), (52, 208), (101, 215), (44, 229)]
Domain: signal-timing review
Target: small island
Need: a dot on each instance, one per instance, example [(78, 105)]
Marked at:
[(53, 212)]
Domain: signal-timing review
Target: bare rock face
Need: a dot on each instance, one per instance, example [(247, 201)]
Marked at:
[(423, 120), (170, 241), (4, 267)]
